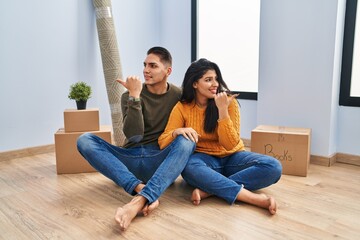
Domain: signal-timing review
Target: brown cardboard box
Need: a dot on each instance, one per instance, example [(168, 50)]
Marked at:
[(68, 159), (291, 146), (81, 120)]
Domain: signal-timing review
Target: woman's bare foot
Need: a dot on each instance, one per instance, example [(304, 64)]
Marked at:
[(197, 195), (260, 200), (268, 202), (124, 215), (149, 208)]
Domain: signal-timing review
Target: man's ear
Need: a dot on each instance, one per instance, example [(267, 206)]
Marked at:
[(169, 71)]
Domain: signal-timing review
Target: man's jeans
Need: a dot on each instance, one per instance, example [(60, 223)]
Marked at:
[(128, 167), (225, 177)]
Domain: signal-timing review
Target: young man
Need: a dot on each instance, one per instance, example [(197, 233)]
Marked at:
[(140, 167)]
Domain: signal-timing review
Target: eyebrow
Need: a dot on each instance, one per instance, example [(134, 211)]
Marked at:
[(150, 63)]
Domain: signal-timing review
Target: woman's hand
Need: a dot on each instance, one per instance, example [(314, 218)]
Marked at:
[(222, 101), (188, 133)]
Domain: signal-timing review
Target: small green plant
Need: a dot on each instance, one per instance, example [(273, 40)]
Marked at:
[(80, 91)]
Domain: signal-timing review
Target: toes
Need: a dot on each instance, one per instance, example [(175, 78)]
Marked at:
[(272, 205)]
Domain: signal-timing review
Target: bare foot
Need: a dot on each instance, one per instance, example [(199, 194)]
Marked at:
[(149, 208), (272, 205), (124, 215), (260, 200), (197, 195), (267, 202)]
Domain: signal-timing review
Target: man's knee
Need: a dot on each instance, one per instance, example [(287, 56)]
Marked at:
[(185, 144), (83, 141)]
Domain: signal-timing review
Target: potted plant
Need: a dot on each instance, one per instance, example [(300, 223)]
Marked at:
[(80, 92)]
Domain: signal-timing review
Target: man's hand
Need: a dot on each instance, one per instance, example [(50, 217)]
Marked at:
[(133, 85), (188, 133)]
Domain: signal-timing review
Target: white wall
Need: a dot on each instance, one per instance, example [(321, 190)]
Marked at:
[(47, 48), (299, 68)]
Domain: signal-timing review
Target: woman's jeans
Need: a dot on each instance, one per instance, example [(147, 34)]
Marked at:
[(128, 167), (225, 177)]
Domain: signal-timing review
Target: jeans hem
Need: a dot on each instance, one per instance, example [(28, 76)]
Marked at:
[(233, 201)]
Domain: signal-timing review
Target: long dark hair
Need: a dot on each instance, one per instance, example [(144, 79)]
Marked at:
[(196, 71)]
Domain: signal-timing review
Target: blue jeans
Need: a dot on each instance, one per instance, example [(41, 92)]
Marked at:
[(225, 177), (128, 167)]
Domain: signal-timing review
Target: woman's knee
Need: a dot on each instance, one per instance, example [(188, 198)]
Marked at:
[(276, 167)]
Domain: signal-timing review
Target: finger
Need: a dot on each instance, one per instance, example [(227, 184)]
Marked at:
[(121, 82), (185, 136), (195, 136), (191, 137), (234, 96)]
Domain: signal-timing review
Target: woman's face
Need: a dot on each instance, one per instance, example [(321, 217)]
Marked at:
[(206, 87)]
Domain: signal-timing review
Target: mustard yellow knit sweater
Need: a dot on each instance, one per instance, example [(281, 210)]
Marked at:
[(223, 142)]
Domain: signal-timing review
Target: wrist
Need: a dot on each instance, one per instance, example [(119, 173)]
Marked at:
[(134, 99)]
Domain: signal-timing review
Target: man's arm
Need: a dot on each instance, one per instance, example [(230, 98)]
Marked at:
[(133, 121)]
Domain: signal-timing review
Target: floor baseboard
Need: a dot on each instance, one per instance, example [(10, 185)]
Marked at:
[(323, 161), (26, 152), (319, 160), (348, 158)]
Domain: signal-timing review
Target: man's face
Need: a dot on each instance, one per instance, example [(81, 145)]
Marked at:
[(154, 70)]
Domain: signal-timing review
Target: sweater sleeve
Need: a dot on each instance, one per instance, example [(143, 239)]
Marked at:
[(176, 120), (133, 121), (229, 128)]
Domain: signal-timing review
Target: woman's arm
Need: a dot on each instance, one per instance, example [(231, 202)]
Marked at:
[(229, 128)]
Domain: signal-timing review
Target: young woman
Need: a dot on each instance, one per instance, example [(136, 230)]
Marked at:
[(220, 166)]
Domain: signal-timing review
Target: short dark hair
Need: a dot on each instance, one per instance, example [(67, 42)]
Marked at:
[(162, 53)]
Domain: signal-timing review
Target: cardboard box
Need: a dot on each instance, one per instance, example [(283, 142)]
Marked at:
[(68, 158), (291, 146), (81, 120)]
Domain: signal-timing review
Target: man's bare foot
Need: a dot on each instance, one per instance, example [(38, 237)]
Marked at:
[(124, 215), (149, 208), (197, 195)]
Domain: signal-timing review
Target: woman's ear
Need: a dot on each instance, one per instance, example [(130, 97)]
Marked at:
[(194, 85)]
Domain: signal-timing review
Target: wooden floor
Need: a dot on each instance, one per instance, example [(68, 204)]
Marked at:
[(36, 203)]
